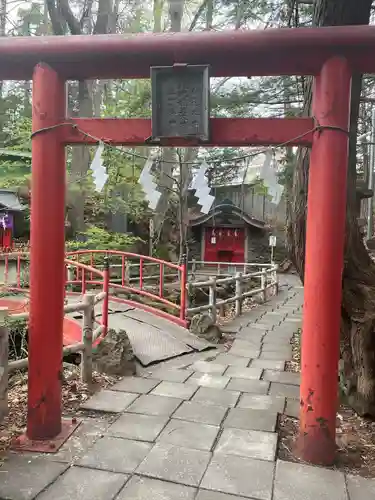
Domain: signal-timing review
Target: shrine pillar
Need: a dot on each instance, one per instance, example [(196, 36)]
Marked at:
[(47, 251), (326, 213)]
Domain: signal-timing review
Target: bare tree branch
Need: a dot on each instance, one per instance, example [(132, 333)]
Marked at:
[(71, 20), (56, 19)]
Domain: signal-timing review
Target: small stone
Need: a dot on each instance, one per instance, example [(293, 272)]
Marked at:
[(204, 327), (114, 355)]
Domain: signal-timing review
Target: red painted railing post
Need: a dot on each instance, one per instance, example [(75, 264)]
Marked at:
[(324, 263), (83, 282), (46, 258), (106, 273), (183, 289), (18, 271)]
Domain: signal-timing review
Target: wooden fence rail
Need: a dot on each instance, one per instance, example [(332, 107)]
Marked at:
[(268, 280), (89, 336)]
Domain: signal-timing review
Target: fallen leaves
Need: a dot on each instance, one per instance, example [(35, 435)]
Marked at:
[(74, 393)]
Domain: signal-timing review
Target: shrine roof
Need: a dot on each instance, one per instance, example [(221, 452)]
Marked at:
[(224, 208), (10, 201)]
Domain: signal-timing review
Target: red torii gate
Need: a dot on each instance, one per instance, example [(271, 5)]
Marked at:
[(330, 54)]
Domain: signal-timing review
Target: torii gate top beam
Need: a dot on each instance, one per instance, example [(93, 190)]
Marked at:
[(230, 53)]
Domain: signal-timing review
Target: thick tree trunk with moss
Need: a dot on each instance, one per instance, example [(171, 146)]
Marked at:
[(358, 299)]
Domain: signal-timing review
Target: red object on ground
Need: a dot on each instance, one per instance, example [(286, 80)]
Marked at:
[(47, 253), (72, 330), (324, 264)]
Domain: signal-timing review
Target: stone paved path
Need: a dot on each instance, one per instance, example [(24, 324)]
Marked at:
[(205, 431)]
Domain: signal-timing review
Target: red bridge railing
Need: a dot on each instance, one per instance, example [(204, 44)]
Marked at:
[(127, 276), (136, 277)]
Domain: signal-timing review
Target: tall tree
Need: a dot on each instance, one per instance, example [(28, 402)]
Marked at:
[(358, 300), (62, 17)]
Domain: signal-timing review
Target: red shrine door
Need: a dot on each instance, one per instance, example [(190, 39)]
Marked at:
[(224, 244)]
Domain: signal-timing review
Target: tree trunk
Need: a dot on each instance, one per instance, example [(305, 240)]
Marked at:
[(358, 299)]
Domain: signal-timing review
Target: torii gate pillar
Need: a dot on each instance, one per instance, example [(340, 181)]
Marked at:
[(325, 237)]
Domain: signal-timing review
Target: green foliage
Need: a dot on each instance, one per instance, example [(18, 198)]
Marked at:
[(99, 239)]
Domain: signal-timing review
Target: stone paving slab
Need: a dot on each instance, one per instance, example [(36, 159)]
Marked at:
[(109, 401), (260, 402), (360, 488), (86, 434), (246, 373), (284, 390), (274, 355), (115, 455), (174, 390), (215, 495), (175, 463), (85, 484), (283, 352), (189, 434), (201, 413), (23, 477), (144, 488), (271, 364), (251, 345), (209, 367), (216, 397), (304, 482), (209, 380), (246, 385), (170, 375), (154, 405), (240, 476), (247, 443), (137, 385), (248, 419), (282, 377), (139, 427), (292, 408), (229, 359)]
